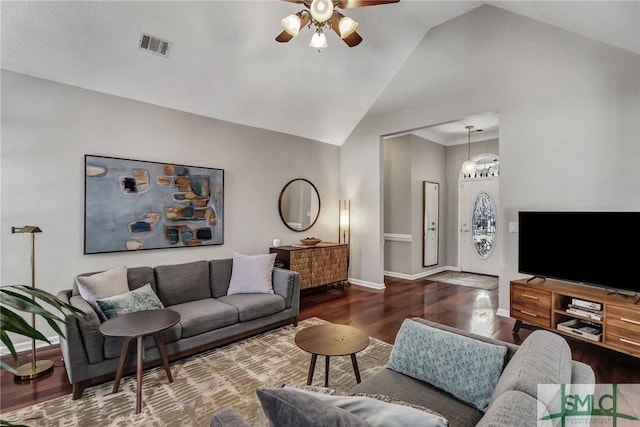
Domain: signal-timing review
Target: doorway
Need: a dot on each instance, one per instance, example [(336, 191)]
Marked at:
[(478, 206), (429, 154)]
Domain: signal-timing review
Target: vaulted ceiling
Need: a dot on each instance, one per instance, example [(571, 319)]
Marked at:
[(224, 63)]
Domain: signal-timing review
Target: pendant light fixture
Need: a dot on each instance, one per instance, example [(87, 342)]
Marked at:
[(469, 166)]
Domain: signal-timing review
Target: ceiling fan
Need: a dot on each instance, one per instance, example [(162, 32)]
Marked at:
[(324, 13)]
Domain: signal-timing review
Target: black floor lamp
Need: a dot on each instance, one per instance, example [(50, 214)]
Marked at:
[(36, 368)]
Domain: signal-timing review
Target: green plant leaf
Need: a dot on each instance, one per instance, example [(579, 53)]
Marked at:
[(7, 342), (7, 367), (11, 322), (23, 298), (5, 423), (25, 304)]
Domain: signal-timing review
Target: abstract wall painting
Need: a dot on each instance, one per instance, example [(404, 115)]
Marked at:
[(135, 205)]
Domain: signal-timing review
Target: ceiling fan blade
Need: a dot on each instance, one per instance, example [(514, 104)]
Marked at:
[(351, 40), (284, 37), (350, 4)]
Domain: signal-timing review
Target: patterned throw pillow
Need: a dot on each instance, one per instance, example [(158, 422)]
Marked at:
[(465, 367), (139, 299)]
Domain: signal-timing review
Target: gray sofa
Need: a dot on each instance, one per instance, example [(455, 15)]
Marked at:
[(542, 358), (209, 317), (510, 400)]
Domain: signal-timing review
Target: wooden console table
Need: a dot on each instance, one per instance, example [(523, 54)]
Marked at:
[(318, 265), (543, 303)]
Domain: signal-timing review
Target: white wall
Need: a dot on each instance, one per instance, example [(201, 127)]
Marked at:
[(428, 163), (409, 161), (397, 203), (569, 133), (48, 127)]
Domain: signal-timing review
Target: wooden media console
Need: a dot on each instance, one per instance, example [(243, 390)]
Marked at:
[(544, 303)]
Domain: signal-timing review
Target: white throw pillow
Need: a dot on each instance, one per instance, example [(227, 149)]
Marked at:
[(103, 285), (251, 274)]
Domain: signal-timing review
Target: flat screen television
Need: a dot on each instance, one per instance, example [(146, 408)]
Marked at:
[(594, 248)]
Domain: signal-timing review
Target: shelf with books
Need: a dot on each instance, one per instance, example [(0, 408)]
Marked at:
[(577, 308)]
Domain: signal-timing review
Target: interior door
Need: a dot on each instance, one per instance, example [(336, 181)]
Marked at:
[(478, 226)]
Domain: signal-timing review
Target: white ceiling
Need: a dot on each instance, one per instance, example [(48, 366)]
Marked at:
[(485, 127), (224, 62)]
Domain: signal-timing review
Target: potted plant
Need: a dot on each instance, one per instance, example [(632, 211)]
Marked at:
[(26, 299)]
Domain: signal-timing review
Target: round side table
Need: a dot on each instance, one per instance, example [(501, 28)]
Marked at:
[(331, 340), (138, 325)]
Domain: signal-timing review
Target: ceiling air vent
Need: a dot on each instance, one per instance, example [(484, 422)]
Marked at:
[(153, 44)]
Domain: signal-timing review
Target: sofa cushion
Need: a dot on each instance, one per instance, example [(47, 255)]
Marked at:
[(90, 331), (180, 283), (253, 306), (543, 358), (137, 300), (113, 345), (220, 275), (251, 274), (197, 317), (512, 408), (102, 285), (140, 276), (417, 392), (291, 408), (581, 373), (465, 367), (376, 409)]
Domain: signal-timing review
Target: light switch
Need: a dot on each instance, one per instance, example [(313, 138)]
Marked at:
[(513, 226)]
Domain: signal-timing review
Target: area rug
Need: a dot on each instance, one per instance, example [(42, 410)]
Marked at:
[(478, 281), (202, 384)]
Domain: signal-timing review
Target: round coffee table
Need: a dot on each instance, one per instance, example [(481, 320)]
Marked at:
[(138, 325), (331, 340)]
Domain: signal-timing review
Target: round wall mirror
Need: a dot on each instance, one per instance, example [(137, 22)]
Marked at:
[(299, 204)]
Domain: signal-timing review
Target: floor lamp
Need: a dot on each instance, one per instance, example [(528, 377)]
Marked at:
[(344, 228), (36, 368), (344, 235)]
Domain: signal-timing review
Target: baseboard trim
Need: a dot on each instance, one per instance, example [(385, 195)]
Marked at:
[(503, 312), (419, 275), (365, 284), (26, 346)]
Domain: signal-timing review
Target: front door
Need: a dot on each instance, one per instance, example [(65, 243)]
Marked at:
[(478, 225)]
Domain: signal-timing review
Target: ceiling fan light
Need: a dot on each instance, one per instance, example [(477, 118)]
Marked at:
[(321, 10), (318, 40), (291, 24), (347, 26)]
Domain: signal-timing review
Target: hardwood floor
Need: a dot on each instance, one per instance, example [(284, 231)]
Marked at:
[(380, 314)]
